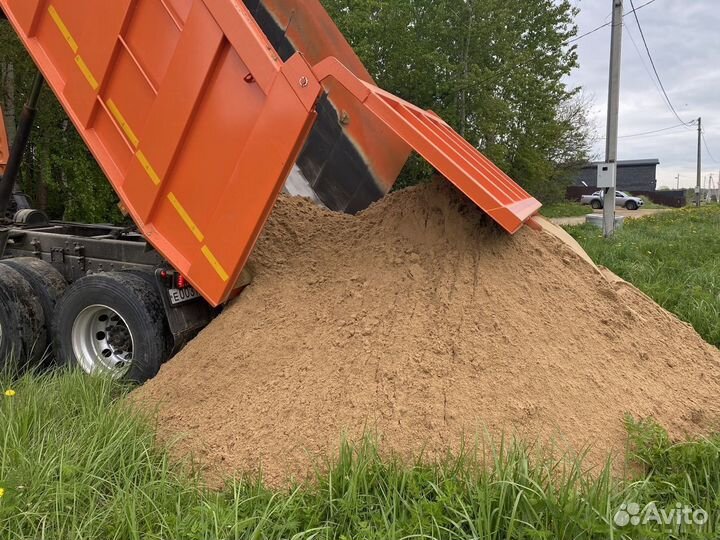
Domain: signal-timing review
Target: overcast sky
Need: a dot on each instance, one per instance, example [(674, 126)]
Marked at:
[(684, 39)]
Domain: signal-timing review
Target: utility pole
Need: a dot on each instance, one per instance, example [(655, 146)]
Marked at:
[(678, 181), (711, 187), (611, 150), (698, 188)]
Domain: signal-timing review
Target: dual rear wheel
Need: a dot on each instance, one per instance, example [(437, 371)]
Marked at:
[(107, 323), (23, 328)]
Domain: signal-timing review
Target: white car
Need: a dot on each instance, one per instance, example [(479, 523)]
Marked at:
[(622, 199)]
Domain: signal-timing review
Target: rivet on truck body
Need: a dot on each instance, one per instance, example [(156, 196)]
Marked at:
[(249, 78), (304, 82)]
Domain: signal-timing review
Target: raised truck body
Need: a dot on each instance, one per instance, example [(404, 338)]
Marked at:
[(200, 112)]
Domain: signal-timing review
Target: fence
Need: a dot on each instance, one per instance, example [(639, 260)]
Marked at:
[(674, 199)]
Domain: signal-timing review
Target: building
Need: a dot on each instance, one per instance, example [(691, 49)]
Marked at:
[(635, 175)]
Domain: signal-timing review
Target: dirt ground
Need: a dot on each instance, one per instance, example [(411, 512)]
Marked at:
[(628, 214), (423, 323)]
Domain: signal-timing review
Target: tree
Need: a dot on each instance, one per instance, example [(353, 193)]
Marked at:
[(494, 69), (58, 173)]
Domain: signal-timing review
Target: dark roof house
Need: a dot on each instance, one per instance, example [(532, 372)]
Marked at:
[(634, 175)]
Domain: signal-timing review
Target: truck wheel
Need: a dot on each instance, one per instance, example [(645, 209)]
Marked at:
[(112, 323), (23, 337), (631, 205), (596, 205), (47, 283)]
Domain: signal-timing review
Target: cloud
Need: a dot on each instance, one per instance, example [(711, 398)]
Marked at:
[(685, 43)]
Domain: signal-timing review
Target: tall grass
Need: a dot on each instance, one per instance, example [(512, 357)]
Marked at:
[(565, 209), (76, 463), (673, 257)]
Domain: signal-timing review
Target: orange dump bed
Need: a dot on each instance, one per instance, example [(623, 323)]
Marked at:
[(4, 145), (197, 121)]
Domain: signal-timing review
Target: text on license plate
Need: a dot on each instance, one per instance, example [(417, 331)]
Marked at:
[(180, 296)]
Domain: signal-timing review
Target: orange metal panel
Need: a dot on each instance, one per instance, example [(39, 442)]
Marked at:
[(476, 176), (4, 145), (197, 122), (189, 111)]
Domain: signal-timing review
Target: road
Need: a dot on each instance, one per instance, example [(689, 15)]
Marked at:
[(629, 214)]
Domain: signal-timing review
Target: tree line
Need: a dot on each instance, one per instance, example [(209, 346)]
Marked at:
[(494, 69), (58, 174)]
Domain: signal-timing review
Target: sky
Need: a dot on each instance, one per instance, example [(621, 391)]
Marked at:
[(684, 39)]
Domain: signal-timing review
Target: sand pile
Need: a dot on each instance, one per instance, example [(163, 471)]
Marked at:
[(421, 321)]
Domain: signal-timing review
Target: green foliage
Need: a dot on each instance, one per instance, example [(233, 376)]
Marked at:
[(565, 209), (674, 257), (493, 69), (59, 173), (76, 462), (682, 473)]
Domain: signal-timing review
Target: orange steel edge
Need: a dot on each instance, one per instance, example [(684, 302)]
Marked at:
[(197, 122), (4, 144)]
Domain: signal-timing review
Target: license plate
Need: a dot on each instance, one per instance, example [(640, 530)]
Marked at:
[(180, 296)]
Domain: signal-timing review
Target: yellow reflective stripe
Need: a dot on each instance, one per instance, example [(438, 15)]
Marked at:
[(185, 217), (55, 16), (148, 168), (215, 263), (120, 119), (86, 71)]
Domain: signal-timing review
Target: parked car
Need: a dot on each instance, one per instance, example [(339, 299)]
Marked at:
[(622, 200)]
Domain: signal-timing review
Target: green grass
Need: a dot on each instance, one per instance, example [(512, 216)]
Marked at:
[(76, 463), (574, 209), (565, 209), (649, 205), (673, 257)]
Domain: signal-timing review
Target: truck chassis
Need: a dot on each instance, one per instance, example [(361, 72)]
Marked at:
[(76, 250), (130, 309)]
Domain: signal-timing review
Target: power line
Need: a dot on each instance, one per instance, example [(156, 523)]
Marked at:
[(591, 32), (586, 34), (501, 70), (654, 67), (652, 132), (707, 147), (647, 133), (644, 63)]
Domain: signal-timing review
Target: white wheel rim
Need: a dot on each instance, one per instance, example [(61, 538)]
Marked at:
[(102, 341)]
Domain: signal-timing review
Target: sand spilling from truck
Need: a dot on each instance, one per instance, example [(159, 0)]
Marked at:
[(421, 322)]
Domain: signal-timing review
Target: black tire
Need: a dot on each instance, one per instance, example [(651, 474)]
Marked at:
[(596, 205), (23, 335), (48, 284), (130, 345), (631, 205)]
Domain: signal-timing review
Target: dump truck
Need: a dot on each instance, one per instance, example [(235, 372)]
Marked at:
[(199, 112)]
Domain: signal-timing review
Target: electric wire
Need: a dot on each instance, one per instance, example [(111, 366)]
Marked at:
[(654, 67), (707, 147), (648, 133), (644, 62), (654, 132), (502, 70), (591, 32)]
